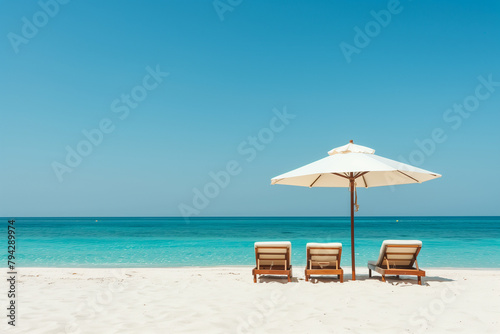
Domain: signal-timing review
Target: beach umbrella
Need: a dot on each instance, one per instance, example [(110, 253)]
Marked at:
[(354, 166)]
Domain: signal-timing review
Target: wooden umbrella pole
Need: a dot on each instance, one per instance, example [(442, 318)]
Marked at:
[(351, 185)]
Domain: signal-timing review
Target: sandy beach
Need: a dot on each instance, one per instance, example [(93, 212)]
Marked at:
[(225, 300)]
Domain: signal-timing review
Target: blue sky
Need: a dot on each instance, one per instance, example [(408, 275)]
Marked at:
[(232, 67)]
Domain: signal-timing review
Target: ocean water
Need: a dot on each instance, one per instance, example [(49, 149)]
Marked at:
[(472, 242)]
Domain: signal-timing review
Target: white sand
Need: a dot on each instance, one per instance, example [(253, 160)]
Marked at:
[(225, 300)]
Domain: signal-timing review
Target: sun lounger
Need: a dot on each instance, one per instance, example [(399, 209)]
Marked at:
[(398, 257), (324, 259), (273, 258)]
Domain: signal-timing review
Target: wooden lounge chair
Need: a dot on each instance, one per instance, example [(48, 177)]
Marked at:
[(397, 257), (273, 258), (324, 259)]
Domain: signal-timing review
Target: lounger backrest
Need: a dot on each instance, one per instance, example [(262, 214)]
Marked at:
[(273, 253), (329, 252), (399, 253)]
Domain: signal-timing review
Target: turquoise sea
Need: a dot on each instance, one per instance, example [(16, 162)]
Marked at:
[(472, 242)]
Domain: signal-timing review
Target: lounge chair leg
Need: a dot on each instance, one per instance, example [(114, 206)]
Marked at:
[(289, 278), (341, 278), (419, 280), (255, 278), (383, 278), (369, 273), (307, 278)]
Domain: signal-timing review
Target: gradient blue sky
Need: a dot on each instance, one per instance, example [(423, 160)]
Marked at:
[(225, 79)]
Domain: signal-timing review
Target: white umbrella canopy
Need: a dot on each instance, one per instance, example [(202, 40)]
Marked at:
[(354, 166), (333, 170)]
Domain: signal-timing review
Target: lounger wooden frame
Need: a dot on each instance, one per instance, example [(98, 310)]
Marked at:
[(273, 269), (398, 269), (314, 267)]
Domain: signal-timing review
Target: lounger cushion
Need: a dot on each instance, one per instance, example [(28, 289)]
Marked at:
[(273, 244), (324, 245), (398, 259)]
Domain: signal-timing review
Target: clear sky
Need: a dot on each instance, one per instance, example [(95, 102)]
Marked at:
[(181, 90)]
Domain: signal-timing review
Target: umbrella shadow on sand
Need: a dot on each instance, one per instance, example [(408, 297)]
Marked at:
[(394, 280)]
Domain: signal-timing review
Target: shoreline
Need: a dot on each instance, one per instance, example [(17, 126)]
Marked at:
[(346, 268)]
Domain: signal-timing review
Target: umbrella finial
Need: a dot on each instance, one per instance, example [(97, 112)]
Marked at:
[(351, 148)]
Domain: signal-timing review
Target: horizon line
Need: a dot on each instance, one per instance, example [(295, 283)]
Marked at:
[(204, 217)]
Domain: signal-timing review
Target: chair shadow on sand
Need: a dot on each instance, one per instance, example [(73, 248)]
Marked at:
[(394, 280), (276, 279)]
